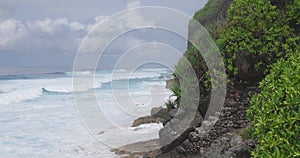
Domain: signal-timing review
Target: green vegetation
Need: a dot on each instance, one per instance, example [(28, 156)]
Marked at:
[(176, 92), (275, 112), (171, 104), (259, 40), (264, 32), (256, 33), (213, 15)]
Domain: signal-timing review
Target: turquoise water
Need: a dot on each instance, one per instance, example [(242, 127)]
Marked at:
[(39, 117)]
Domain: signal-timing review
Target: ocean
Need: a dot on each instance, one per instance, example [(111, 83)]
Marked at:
[(39, 117)]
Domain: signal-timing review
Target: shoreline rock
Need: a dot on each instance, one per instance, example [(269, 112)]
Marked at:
[(138, 150), (223, 139), (144, 120), (226, 130)]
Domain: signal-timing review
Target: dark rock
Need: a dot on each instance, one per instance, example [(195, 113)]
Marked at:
[(213, 139), (239, 151), (251, 143), (173, 112), (180, 150), (241, 122), (193, 137), (144, 120), (159, 112), (177, 130), (228, 146), (187, 144), (235, 140)]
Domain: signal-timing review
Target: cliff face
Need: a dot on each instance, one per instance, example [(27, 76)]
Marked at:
[(212, 17)]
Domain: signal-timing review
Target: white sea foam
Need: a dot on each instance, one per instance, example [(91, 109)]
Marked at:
[(134, 75), (14, 91), (49, 126), (160, 70), (19, 95)]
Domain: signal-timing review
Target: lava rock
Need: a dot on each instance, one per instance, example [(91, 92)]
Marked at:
[(180, 150), (193, 137), (187, 145), (173, 112), (159, 112), (144, 120), (177, 130), (228, 146)]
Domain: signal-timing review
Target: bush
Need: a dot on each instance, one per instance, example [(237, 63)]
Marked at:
[(275, 112), (255, 36)]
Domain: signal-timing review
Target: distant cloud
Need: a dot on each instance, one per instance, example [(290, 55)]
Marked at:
[(97, 20), (46, 35), (61, 35), (133, 4), (49, 33), (11, 32), (114, 28)]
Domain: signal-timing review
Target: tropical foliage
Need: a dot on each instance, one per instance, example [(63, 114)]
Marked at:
[(275, 112)]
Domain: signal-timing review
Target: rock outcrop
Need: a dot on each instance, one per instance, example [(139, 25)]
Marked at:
[(223, 139), (144, 120)]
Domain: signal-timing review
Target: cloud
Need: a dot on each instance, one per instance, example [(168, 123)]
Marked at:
[(97, 20), (47, 35), (61, 35), (106, 29), (133, 4), (51, 26), (11, 31)]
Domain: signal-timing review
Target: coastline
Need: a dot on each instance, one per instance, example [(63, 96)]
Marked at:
[(139, 149), (225, 137)]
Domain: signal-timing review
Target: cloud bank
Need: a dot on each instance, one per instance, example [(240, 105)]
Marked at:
[(56, 35)]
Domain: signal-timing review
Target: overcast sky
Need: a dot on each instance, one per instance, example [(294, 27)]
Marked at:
[(47, 33)]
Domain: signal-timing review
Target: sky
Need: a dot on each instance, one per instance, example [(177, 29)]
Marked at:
[(48, 33)]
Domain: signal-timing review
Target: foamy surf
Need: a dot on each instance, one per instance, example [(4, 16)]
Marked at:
[(40, 118)]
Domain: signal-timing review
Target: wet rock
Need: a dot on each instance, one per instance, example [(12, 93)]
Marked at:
[(144, 120)]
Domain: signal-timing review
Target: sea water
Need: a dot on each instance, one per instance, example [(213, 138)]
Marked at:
[(39, 118)]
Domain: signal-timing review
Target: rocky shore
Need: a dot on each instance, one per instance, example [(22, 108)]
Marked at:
[(223, 140)]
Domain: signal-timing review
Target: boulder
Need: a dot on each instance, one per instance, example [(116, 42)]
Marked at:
[(177, 130), (159, 112), (173, 112), (144, 120), (228, 146)]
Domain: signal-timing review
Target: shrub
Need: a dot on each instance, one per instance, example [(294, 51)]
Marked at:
[(275, 112), (256, 33), (176, 92), (170, 104)]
